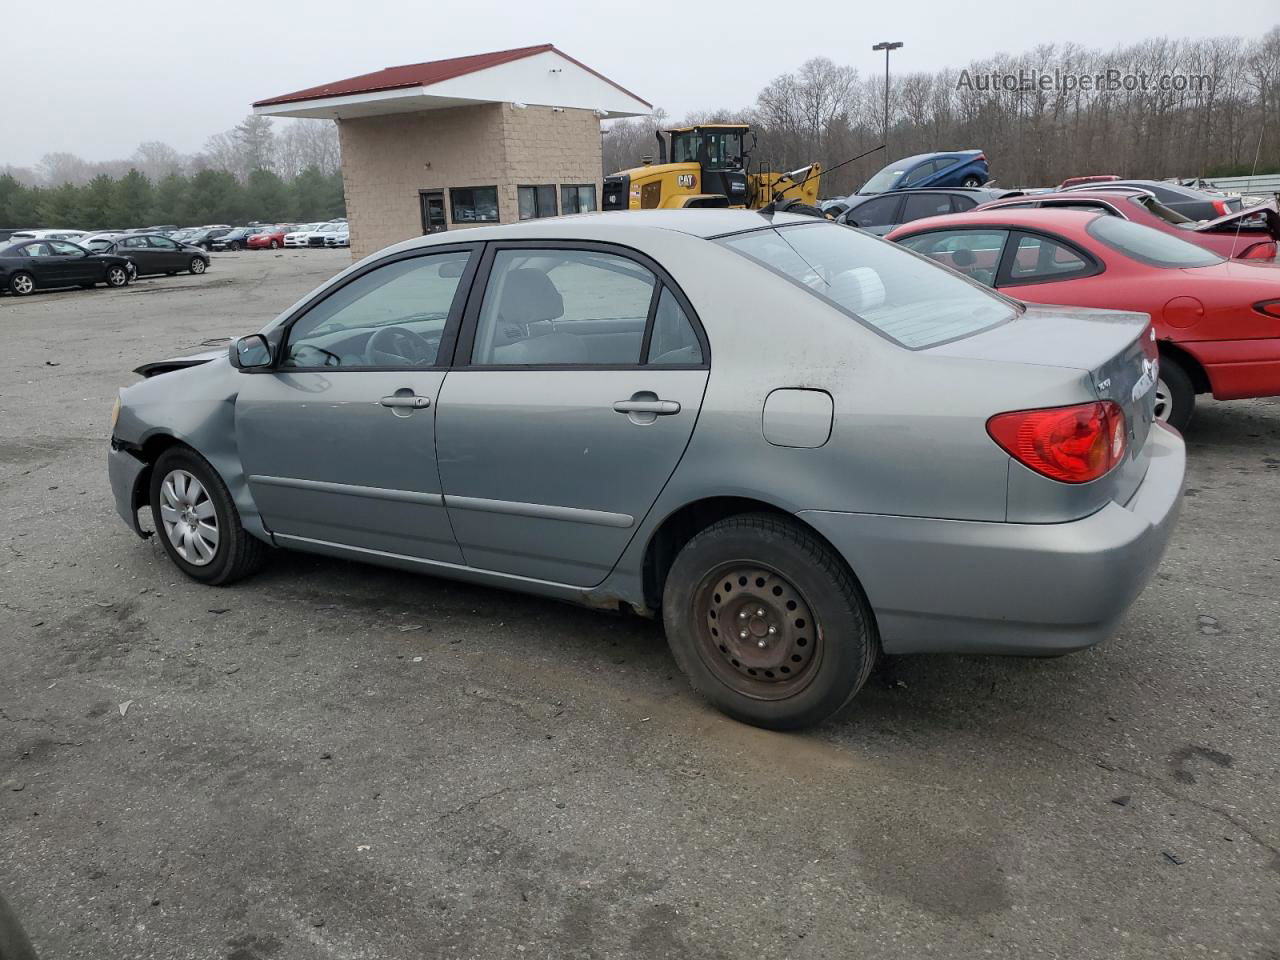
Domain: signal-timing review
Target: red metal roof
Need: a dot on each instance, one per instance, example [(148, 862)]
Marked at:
[(424, 74)]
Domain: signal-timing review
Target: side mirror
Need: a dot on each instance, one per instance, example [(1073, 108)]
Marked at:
[(251, 352)]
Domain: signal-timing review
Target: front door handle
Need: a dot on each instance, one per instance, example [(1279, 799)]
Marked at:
[(661, 408), (417, 403)]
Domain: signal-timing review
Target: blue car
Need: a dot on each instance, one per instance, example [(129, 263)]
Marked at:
[(956, 168)]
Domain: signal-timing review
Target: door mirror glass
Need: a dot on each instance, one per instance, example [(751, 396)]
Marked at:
[(251, 352)]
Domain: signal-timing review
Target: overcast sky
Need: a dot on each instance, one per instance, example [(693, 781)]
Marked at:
[(178, 72)]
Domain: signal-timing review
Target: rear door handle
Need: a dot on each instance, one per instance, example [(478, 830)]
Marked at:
[(661, 408), (416, 403)]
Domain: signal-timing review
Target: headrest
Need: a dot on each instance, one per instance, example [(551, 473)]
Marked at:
[(529, 296)]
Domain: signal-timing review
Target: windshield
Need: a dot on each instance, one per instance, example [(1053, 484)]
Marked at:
[(885, 179), (899, 295), (1150, 246), (724, 150)]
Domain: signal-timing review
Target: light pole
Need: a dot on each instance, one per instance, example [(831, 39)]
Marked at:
[(886, 46)]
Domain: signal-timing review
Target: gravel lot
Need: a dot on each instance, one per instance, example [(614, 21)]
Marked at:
[(333, 760)]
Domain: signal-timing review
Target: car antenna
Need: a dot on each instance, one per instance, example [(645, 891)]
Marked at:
[(771, 207)]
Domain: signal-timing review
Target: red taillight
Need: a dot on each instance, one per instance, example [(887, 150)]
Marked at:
[(1070, 444), (1270, 307), (1260, 251), (1221, 207)]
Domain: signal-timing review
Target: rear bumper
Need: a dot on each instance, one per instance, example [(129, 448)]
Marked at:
[(126, 473), (956, 586)]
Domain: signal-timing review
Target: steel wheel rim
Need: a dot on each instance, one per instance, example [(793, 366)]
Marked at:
[(189, 518), (756, 632), (1164, 401), (23, 284)]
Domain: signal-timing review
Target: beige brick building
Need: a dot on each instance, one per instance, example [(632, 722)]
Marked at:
[(449, 144)]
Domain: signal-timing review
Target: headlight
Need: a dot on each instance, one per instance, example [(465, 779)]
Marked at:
[(115, 413)]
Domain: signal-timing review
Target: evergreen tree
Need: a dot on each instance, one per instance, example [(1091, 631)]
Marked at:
[(134, 200), (267, 196), (61, 206), (97, 203), (172, 200), (216, 197)]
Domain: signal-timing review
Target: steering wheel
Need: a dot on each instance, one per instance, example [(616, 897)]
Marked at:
[(394, 346)]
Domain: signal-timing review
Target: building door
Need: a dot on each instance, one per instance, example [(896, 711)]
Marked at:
[(433, 218)]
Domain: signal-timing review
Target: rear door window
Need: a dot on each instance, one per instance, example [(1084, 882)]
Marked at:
[(921, 205), (901, 297)]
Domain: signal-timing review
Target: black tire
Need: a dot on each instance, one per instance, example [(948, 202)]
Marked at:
[(805, 209), (971, 181), (274, 245), (234, 246), (1175, 383), (22, 284), (237, 554), (198, 265), (833, 653), (117, 276)]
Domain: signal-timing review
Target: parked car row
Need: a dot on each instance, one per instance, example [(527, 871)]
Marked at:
[(205, 236), (47, 263)]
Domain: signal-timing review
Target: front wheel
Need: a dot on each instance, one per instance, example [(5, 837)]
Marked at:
[(1175, 395), (234, 247), (768, 623), (117, 276), (197, 265), (198, 523)]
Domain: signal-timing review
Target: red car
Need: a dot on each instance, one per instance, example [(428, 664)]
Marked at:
[(1244, 234), (1217, 320), (270, 238)]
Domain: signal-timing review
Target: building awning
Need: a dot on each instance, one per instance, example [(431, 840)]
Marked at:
[(540, 75)]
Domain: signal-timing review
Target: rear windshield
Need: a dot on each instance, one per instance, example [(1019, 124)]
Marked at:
[(903, 297), (1155, 247)]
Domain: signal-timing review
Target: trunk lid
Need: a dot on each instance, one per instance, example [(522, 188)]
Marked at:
[(1113, 348)]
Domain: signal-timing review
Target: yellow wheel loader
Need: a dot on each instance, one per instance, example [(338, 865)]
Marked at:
[(709, 168)]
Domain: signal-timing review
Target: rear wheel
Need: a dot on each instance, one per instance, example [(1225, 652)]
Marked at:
[(971, 181), (1175, 395), (767, 622), (21, 284), (198, 523), (274, 245)]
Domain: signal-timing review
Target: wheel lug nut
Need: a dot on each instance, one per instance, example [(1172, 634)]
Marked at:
[(742, 615), (760, 611), (762, 642), (773, 630), (743, 634)]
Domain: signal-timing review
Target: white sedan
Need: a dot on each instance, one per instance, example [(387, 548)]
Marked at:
[(298, 238)]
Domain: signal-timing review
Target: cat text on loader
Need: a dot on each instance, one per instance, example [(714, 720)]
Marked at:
[(709, 168)]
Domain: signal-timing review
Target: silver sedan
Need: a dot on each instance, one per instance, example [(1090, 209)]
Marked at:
[(798, 445)]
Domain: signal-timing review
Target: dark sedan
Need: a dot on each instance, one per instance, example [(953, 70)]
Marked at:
[(1191, 203), (153, 254), (206, 236), (880, 213), (236, 239), (32, 265)]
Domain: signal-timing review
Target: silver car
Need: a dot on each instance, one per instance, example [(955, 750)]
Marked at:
[(798, 444)]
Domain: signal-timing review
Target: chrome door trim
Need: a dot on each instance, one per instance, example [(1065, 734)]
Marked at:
[(542, 511), (350, 489)]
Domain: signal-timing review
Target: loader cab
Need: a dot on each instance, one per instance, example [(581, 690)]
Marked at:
[(720, 151)]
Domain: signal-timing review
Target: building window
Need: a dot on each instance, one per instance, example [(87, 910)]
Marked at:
[(537, 201), (474, 204), (578, 198)]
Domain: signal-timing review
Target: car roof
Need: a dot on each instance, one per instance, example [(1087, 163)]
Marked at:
[(620, 226), (1032, 219), (1074, 195)]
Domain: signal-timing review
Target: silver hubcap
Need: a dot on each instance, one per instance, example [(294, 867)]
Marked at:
[(190, 522), (24, 284), (1164, 402)]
